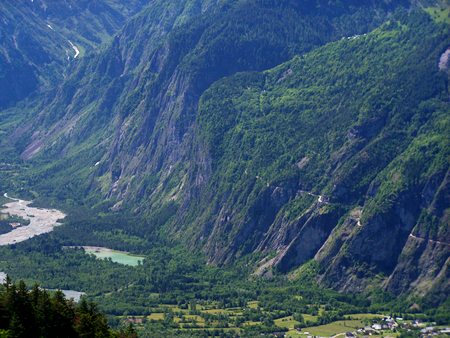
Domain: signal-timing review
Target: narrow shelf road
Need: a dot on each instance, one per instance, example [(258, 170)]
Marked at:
[(429, 240)]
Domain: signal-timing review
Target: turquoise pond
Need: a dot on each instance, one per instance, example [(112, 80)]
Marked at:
[(120, 257)]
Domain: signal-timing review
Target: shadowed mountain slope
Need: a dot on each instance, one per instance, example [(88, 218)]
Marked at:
[(41, 38)]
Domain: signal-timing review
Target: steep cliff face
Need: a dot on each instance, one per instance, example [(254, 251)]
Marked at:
[(40, 39), (408, 245), (105, 113), (339, 155), (424, 261), (404, 221)]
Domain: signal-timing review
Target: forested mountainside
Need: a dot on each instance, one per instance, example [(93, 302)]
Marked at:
[(120, 96), (340, 155), (288, 131), (41, 38)]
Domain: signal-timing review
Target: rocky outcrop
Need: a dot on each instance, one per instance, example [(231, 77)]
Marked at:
[(424, 260), (401, 244)]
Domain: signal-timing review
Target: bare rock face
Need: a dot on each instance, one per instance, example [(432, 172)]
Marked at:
[(399, 244), (309, 239), (444, 60), (297, 241), (423, 266), (424, 261), (252, 228)]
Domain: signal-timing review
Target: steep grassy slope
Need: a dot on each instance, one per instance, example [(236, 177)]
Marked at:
[(340, 155), (39, 38)]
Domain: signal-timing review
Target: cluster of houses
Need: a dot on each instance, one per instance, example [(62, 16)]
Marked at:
[(389, 323), (428, 331)]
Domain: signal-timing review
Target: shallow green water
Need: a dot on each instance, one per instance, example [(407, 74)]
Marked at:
[(116, 256)]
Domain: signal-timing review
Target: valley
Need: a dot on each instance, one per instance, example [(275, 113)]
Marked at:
[(221, 168)]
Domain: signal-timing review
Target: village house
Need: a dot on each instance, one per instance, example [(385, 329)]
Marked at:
[(377, 326), (367, 330), (427, 330)]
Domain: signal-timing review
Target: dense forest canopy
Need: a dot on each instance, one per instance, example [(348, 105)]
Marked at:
[(37, 313)]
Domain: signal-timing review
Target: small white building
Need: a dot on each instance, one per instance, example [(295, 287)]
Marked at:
[(376, 326), (428, 329)]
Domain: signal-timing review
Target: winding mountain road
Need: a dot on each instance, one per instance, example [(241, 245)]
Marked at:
[(429, 240), (320, 198)]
